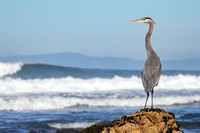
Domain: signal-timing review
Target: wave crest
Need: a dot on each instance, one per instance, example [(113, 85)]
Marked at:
[(61, 93), (76, 85), (73, 125), (38, 103), (9, 68)]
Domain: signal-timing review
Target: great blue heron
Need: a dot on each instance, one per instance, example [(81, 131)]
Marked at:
[(152, 67)]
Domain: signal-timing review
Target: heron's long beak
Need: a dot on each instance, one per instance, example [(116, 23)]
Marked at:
[(136, 20)]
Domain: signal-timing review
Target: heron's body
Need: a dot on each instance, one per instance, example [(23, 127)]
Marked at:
[(152, 67), (151, 72)]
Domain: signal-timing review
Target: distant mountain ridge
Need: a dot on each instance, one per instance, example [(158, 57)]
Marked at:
[(83, 61)]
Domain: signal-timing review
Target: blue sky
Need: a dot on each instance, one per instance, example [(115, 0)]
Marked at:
[(99, 28)]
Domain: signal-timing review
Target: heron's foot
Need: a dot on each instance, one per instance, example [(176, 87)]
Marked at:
[(144, 109)]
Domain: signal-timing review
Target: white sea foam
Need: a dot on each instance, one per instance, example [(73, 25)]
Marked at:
[(9, 68), (61, 93), (179, 82), (75, 85), (67, 85), (72, 125), (23, 103)]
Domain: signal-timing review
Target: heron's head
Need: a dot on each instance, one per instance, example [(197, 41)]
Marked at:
[(143, 20)]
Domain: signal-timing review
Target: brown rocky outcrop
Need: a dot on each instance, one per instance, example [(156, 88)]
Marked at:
[(148, 121)]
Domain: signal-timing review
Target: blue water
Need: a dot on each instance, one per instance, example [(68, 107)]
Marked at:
[(46, 98)]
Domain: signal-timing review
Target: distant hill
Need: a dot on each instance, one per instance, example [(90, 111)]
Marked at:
[(187, 64), (83, 61)]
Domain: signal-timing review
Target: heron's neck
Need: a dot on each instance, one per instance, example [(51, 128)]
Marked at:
[(147, 40)]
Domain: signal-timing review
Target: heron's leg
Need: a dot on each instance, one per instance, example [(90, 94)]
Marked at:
[(152, 99), (146, 100)]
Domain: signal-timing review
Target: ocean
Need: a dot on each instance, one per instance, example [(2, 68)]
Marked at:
[(43, 97)]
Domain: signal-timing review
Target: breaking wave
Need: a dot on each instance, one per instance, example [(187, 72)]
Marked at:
[(76, 85), (61, 93), (73, 125), (36, 87), (49, 102), (9, 68)]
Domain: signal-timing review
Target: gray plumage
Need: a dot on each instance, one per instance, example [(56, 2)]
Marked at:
[(151, 72)]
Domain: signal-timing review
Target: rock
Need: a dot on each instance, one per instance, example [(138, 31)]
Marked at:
[(32, 131), (94, 129), (148, 121), (70, 130), (40, 131)]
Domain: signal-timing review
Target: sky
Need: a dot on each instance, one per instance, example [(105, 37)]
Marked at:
[(99, 28)]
